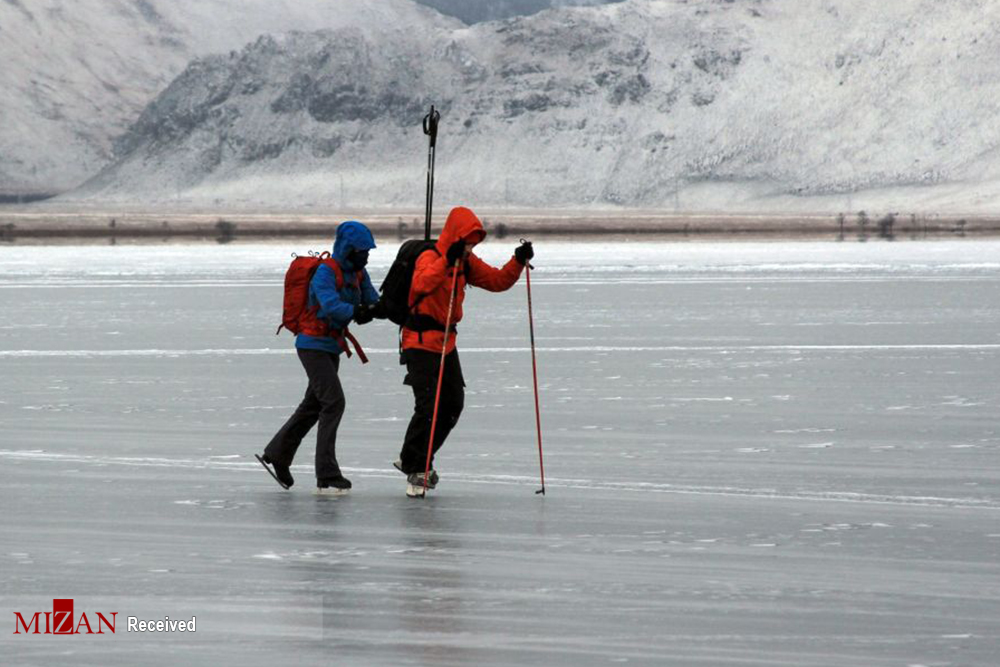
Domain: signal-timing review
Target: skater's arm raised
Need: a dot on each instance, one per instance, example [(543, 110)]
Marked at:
[(493, 279), (331, 306)]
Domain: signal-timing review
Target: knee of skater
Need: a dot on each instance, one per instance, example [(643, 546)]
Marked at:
[(336, 407)]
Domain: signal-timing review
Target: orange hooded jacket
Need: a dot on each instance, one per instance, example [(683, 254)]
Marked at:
[(432, 278)]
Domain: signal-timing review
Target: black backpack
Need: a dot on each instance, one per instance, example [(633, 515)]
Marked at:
[(395, 289)]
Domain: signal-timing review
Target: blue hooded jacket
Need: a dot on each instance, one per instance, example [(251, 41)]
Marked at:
[(337, 306)]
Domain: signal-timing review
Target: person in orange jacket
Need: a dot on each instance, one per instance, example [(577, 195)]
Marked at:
[(423, 335)]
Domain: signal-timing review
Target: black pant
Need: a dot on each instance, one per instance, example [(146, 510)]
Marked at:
[(324, 402), (422, 375)]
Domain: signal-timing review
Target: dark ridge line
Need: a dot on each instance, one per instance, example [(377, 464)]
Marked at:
[(88, 226)]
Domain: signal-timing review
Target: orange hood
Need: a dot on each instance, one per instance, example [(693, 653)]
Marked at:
[(462, 223)]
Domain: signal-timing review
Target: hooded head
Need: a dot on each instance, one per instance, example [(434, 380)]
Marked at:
[(352, 244), (463, 224)]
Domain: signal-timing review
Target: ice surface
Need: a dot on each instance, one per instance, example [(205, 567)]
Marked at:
[(755, 454)]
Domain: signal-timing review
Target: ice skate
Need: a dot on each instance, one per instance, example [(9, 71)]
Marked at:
[(281, 474), (417, 486), (338, 486), (432, 480)]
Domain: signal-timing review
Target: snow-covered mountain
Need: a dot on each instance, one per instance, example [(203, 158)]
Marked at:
[(701, 104), (76, 74), (476, 11)]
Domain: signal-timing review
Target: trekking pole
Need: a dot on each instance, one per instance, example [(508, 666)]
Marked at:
[(437, 394), (534, 375), (431, 130)]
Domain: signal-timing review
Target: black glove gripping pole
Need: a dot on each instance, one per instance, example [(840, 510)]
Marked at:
[(431, 130)]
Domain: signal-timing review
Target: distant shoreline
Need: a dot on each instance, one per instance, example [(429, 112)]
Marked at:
[(53, 226)]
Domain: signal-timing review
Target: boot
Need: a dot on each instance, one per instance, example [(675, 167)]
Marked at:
[(432, 480), (281, 473), (338, 486)]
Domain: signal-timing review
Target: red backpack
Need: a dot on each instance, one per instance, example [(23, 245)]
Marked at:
[(296, 315)]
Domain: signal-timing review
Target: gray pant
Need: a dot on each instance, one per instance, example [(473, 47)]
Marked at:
[(324, 402)]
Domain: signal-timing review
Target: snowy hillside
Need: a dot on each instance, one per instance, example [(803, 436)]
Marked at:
[(476, 11), (76, 74), (701, 105)]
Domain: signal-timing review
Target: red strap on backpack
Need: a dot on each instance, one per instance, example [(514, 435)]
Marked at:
[(339, 273), (346, 335)]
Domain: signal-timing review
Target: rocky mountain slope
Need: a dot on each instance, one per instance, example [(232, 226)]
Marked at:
[(476, 11), (736, 105), (76, 74)]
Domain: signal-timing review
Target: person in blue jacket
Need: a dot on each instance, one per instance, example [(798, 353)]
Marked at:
[(318, 345)]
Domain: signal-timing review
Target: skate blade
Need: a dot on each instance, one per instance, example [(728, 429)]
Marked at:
[(270, 472), (330, 492), (414, 491)]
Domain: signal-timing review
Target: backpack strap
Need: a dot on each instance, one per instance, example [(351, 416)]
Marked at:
[(357, 346), (337, 271), (421, 323), (344, 335), (412, 310)]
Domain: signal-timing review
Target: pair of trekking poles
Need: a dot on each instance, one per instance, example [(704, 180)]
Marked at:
[(430, 129)]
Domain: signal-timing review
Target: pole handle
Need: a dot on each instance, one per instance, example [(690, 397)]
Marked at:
[(431, 125), (528, 264)]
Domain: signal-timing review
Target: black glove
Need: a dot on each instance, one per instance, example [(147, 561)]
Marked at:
[(364, 314), (524, 252), (455, 251)]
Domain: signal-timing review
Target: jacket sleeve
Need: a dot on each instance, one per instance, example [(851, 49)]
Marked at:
[(369, 294), (331, 306), (489, 278), (429, 273)]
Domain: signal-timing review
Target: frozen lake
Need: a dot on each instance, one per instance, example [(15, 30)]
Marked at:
[(755, 454)]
